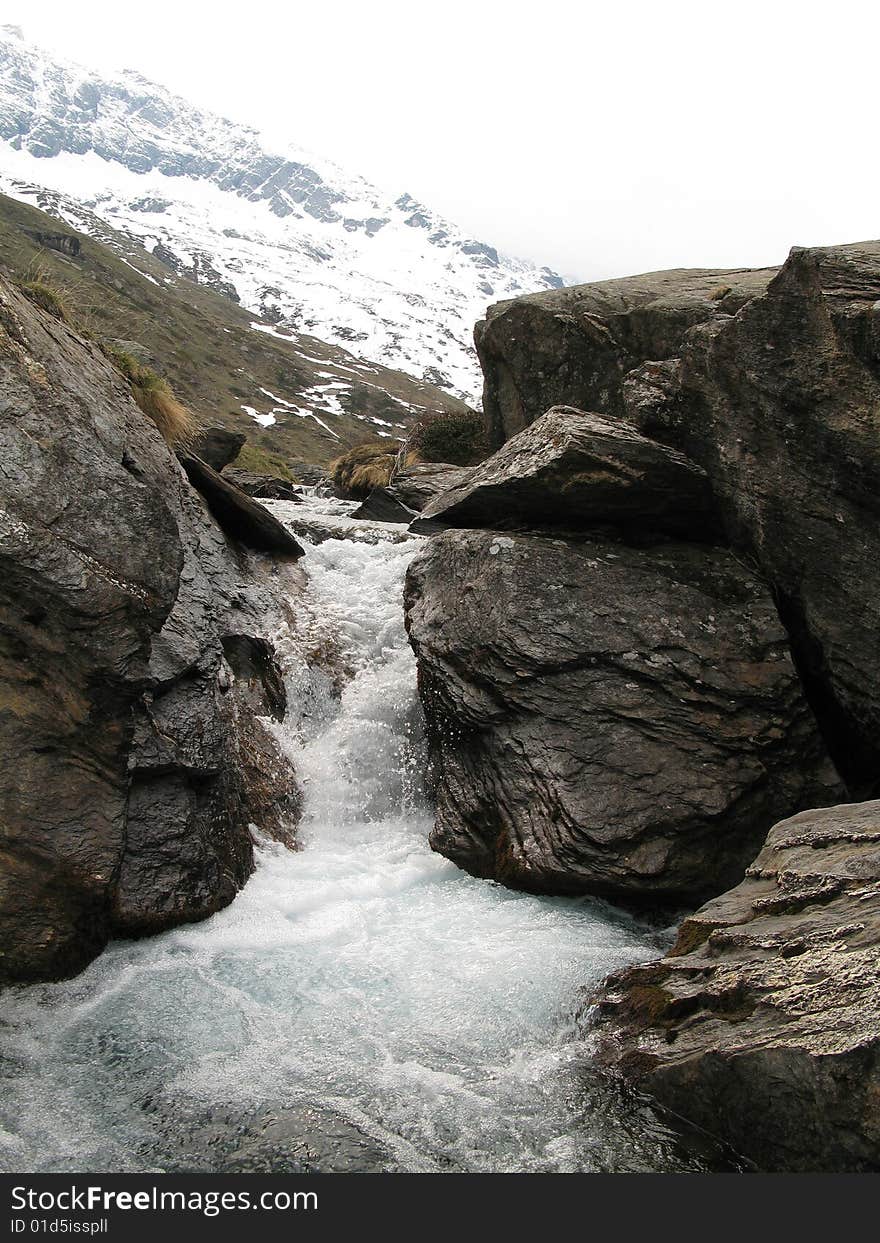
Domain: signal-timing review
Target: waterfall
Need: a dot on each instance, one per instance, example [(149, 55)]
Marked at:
[(362, 1005)]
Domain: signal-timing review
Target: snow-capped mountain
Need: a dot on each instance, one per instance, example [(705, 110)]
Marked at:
[(303, 246)]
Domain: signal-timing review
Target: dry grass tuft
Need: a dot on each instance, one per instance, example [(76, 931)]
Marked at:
[(364, 467), (177, 424), (48, 298)]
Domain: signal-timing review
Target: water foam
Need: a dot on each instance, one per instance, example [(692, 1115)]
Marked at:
[(362, 991)]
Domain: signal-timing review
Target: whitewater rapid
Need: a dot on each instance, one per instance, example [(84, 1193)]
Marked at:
[(363, 1004)]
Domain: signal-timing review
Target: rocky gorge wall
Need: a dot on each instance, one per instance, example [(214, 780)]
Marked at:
[(645, 630), (769, 381), (647, 634), (135, 659), (610, 696)]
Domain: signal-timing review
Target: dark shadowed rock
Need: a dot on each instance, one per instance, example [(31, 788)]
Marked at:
[(65, 243), (573, 469), (574, 346), (606, 719), (217, 446), (779, 405), (133, 758), (240, 516), (416, 485), (762, 1024), (252, 660), (382, 505), (263, 487)]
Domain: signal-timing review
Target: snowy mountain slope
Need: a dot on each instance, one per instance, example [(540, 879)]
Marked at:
[(299, 243), (296, 397)]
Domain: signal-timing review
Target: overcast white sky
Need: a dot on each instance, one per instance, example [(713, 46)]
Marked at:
[(600, 138)]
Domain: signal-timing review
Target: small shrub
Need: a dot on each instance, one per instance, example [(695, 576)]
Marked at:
[(365, 467), (456, 436), (177, 424)]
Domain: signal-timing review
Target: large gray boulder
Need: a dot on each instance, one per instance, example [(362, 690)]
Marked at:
[(573, 469), (416, 486), (603, 718), (769, 381), (133, 761), (243, 519), (383, 505), (779, 405), (762, 1024), (217, 446), (574, 346)]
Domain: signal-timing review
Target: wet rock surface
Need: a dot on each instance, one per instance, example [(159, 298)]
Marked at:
[(383, 505), (603, 718), (779, 405), (762, 1024), (263, 487), (129, 759), (240, 516), (574, 469), (263, 1140)]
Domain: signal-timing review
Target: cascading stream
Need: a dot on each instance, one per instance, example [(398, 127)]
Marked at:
[(362, 1004)]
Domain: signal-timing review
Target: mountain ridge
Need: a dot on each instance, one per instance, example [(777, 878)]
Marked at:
[(300, 398), (303, 245)]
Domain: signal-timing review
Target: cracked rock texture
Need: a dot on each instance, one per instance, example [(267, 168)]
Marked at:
[(134, 753), (575, 346), (762, 1024), (769, 381), (604, 718), (574, 469), (415, 486)]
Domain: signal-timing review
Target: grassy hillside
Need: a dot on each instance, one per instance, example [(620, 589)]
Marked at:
[(323, 399)]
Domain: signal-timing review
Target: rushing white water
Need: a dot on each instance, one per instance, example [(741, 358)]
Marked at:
[(362, 1004)]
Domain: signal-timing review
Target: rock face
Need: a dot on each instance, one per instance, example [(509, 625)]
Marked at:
[(415, 486), (240, 516), (762, 1025), (576, 470), (575, 346), (770, 382), (263, 487), (382, 505), (310, 474), (133, 760), (605, 718), (410, 490), (217, 446), (779, 405)]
